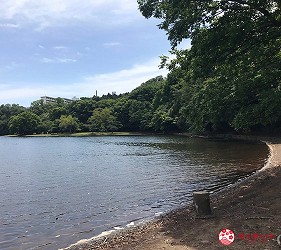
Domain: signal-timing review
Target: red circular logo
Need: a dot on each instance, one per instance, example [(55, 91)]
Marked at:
[(226, 237)]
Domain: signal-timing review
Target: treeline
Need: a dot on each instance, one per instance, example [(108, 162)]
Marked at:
[(139, 110), (161, 105)]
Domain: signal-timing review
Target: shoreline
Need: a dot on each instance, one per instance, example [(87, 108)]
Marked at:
[(84, 134), (240, 207)]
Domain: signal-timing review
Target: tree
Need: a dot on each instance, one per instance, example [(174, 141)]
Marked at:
[(229, 82), (6, 111), (139, 115), (162, 121), (55, 112), (184, 19), (39, 107), (68, 123), (82, 109), (121, 109), (24, 123), (103, 120), (233, 67), (147, 90)]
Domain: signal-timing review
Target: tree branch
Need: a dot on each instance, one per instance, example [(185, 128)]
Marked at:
[(264, 11)]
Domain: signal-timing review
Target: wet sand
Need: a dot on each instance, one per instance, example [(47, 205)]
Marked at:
[(250, 208)]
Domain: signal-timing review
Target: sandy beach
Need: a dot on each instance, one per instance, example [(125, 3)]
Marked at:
[(250, 208)]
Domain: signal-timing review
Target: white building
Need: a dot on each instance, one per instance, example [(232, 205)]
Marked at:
[(48, 99)]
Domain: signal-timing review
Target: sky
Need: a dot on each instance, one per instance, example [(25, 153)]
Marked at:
[(67, 48)]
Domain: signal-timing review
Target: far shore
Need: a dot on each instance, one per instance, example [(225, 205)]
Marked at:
[(249, 208), (84, 134), (251, 138)]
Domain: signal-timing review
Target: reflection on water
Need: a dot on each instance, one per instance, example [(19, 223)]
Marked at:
[(55, 191)]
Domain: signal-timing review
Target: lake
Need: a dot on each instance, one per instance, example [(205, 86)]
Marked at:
[(55, 191)]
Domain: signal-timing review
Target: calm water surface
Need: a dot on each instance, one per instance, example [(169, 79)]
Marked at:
[(56, 191)]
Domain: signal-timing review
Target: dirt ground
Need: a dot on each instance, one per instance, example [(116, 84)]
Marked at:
[(251, 209)]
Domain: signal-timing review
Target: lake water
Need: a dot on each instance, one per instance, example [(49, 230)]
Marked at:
[(55, 191)]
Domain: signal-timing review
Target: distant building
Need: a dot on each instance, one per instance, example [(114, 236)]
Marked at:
[(75, 98), (48, 99)]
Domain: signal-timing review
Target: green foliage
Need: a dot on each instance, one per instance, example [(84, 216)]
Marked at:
[(184, 19), (230, 77), (55, 112), (68, 123), (127, 112), (6, 111), (138, 113), (147, 90), (103, 120), (162, 121), (82, 109), (24, 123), (38, 107)]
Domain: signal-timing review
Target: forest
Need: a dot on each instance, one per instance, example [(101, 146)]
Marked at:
[(138, 110), (228, 81)]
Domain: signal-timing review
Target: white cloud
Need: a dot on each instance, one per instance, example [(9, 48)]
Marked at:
[(9, 25), (60, 48), (11, 93), (111, 44), (8, 91), (43, 14), (124, 80), (57, 60), (120, 81)]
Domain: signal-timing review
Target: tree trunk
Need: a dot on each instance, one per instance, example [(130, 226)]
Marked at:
[(202, 203)]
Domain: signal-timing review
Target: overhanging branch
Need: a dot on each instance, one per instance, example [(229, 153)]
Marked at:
[(265, 12)]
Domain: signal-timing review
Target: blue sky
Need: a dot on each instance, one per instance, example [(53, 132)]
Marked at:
[(72, 48)]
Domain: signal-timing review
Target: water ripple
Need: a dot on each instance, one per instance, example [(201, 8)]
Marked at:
[(55, 191)]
